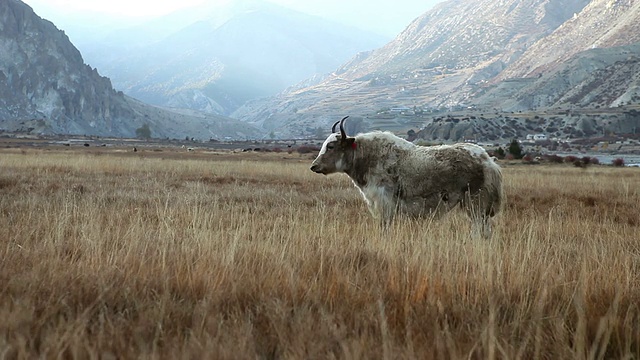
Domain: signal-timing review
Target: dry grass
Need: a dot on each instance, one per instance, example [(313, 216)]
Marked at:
[(109, 256)]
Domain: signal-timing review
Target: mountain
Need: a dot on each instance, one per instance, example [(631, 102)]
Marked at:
[(479, 56), (591, 60), (45, 87), (594, 78), (601, 24), (214, 58), (437, 61)]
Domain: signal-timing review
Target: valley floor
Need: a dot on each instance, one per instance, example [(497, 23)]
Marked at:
[(166, 253)]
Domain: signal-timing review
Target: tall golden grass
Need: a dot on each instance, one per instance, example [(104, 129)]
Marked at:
[(108, 255)]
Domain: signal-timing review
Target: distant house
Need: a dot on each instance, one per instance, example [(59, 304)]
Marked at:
[(399, 109), (540, 137)]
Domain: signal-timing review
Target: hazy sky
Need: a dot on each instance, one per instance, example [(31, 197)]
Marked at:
[(382, 16)]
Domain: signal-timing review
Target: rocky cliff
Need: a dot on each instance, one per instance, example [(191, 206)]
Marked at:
[(46, 87), (601, 24)]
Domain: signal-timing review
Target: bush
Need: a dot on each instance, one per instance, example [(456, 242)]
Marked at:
[(307, 149), (580, 164), (143, 132), (618, 162), (554, 159), (590, 160), (499, 153), (570, 159)]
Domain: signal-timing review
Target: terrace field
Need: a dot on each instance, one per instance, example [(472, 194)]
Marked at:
[(170, 254)]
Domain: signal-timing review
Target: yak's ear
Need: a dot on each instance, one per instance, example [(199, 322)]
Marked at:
[(351, 143)]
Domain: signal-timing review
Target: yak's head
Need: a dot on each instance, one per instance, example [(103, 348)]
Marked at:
[(336, 152)]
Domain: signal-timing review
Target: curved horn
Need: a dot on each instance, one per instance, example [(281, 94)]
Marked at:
[(342, 132), (333, 128)]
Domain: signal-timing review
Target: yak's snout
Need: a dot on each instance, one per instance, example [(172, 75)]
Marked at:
[(316, 168)]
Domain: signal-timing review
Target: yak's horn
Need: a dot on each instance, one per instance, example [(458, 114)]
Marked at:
[(342, 132), (333, 128)]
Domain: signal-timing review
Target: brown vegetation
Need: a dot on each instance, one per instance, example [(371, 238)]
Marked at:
[(195, 256)]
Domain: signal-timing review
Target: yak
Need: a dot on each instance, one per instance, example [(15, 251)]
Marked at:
[(396, 176)]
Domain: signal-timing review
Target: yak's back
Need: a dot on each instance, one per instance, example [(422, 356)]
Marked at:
[(447, 167)]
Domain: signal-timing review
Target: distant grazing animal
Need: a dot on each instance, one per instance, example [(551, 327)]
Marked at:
[(398, 177), (190, 149)]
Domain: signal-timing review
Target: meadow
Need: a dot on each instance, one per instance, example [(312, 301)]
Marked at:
[(107, 254)]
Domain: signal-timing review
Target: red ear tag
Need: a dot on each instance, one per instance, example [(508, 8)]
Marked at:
[(354, 145)]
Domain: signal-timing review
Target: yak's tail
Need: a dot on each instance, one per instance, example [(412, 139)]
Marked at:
[(492, 193)]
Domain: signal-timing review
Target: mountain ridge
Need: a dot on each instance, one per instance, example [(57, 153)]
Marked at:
[(258, 51), (471, 54), (46, 88)]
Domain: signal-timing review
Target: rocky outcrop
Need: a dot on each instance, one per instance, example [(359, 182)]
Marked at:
[(596, 78), (555, 125), (601, 24), (43, 75)]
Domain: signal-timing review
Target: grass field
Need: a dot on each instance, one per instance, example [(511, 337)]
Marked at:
[(170, 254)]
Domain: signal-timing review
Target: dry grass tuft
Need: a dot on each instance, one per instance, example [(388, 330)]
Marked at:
[(177, 256)]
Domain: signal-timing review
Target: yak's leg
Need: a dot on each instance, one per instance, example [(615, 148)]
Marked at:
[(387, 214), (480, 226), (479, 215)]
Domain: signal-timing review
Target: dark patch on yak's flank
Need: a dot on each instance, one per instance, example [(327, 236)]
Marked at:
[(476, 180), (359, 171)]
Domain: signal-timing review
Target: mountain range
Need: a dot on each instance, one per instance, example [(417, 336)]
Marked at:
[(494, 69), (215, 58), (46, 88), (484, 55)]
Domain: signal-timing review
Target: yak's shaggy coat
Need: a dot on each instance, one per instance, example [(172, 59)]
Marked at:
[(396, 176)]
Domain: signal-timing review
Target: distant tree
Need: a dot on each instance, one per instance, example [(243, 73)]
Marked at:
[(411, 135), (618, 162), (515, 149), (499, 153), (143, 132)]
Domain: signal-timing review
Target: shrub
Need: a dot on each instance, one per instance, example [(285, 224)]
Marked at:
[(554, 158), (618, 162), (590, 160), (143, 132), (570, 159), (499, 153), (307, 149)]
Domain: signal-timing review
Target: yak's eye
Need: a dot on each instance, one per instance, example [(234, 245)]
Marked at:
[(330, 146)]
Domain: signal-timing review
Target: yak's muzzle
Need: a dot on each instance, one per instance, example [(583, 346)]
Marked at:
[(316, 168)]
